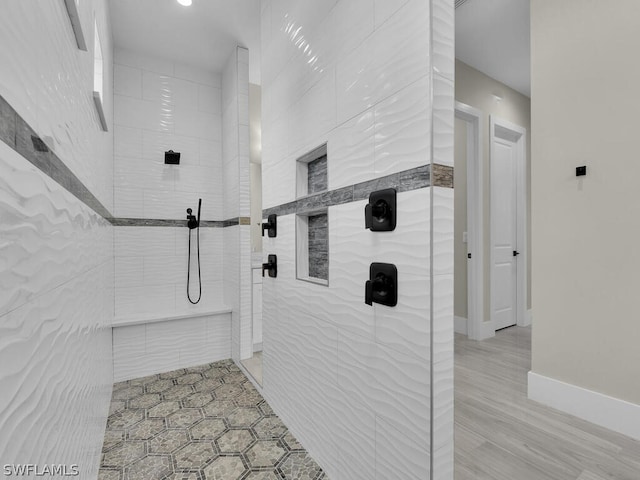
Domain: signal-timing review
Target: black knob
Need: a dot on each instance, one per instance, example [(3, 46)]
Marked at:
[(271, 226), (380, 212), (382, 286), (271, 266)]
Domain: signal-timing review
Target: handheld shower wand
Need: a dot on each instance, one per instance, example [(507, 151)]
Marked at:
[(194, 223)]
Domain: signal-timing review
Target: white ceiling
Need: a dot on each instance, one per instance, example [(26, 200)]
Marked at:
[(493, 36), (202, 35)]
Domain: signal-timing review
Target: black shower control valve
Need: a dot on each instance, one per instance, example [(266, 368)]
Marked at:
[(271, 265), (271, 226), (380, 213), (382, 286)]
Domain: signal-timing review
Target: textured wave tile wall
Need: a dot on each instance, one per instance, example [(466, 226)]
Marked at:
[(56, 255), (55, 325), (352, 381), (47, 80)]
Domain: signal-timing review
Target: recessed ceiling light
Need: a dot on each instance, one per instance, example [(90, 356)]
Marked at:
[(185, 3)]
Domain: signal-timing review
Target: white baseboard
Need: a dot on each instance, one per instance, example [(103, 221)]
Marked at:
[(609, 412), (526, 319), (460, 325), (487, 330)]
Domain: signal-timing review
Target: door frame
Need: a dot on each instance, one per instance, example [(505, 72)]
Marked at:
[(519, 136), (475, 217)]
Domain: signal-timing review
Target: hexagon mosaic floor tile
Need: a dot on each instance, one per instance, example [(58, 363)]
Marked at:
[(201, 423)]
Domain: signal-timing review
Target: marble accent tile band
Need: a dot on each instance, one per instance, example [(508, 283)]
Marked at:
[(16, 133), (413, 179), (19, 135), (161, 222), (442, 175)]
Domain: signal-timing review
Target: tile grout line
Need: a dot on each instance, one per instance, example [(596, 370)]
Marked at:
[(431, 289)]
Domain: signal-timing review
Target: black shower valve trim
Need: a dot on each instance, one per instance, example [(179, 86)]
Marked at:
[(271, 226)]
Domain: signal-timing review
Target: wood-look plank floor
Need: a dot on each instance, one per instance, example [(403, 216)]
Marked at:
[(501, 435)]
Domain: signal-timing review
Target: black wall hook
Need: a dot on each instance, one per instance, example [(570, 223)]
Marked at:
[(380, 213), (271, 226), (382, 286)]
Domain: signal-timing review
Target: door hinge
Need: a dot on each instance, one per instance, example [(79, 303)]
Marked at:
[(468, 255), (516, 253)]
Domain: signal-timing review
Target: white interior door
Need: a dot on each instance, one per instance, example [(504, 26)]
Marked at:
[(504, 235)]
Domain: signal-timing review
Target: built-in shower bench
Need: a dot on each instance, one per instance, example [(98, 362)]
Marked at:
[(149, 343), (151, 318)]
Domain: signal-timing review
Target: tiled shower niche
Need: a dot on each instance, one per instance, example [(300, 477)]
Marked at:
[(312, 228), (312, 247), (311, 172)]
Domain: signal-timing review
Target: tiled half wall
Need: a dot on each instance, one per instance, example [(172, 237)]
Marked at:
[(56, 272), (367, 389)]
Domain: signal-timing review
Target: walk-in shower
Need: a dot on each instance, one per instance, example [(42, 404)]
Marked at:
[(193, 223)]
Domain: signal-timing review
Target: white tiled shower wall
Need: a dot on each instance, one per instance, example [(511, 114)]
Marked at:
[(443, 76), (56, 283), (151, 270), (237, 239), (354, 382), (158, 106)]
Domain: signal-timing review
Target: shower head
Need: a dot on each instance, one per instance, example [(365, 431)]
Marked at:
[(199, 207)]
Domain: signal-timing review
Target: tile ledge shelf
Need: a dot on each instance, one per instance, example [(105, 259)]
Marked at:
[(317, 281), (148, 318)]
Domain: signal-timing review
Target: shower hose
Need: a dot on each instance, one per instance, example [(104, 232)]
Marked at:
[(189, 267)]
